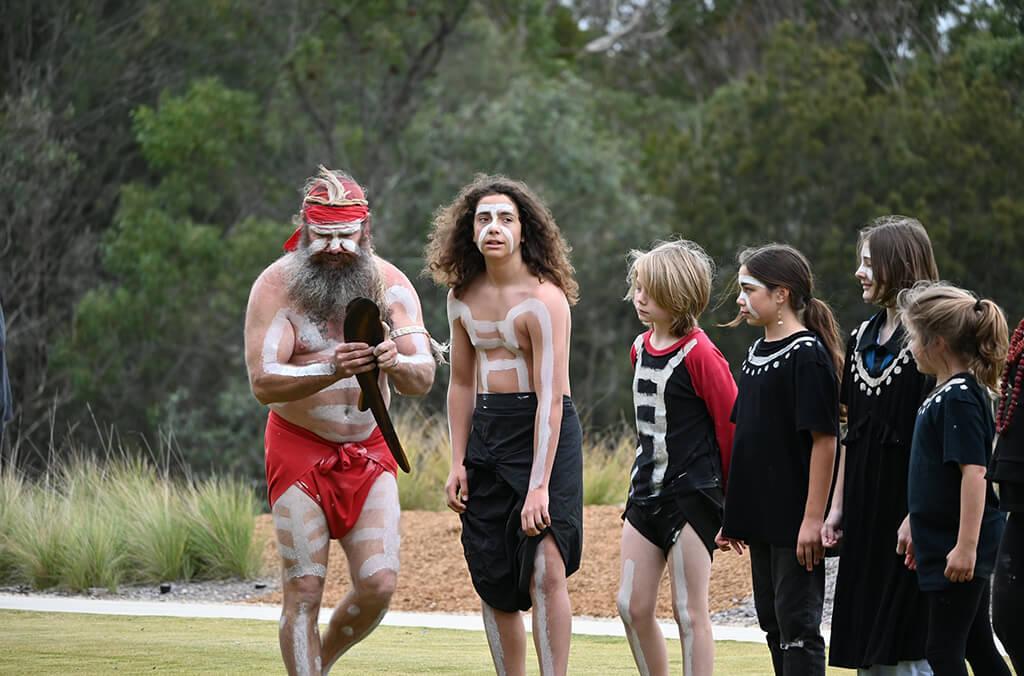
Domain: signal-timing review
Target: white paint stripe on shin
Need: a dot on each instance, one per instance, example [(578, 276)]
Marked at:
[(300, 641), (494, 640), (680, 600), (540, 604), (624, 600)]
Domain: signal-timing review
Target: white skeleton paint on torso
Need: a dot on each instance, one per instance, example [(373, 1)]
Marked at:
[(498, 349)]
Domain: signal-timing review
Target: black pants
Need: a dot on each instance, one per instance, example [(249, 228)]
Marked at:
[(1008, 590), (959, 628), (789, 601)]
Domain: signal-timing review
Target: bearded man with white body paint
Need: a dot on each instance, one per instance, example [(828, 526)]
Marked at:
[(516, 476), (329, 473)]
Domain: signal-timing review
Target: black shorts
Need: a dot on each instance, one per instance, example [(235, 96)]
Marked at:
[(660, 521), (499, 457)]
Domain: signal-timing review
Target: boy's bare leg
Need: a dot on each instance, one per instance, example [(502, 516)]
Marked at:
[(642, 566), (302, 542), (506, 638), (689, 568), (552, 613), (371, 548)]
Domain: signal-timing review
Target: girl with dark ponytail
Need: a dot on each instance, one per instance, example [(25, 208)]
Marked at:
[(955, 524), (787, 422)]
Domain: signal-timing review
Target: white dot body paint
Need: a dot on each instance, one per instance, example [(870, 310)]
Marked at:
[(271, 343), (540, 614), (624, 599), (656, 400), (685, 621), (353, 610), (495, 210), (750, 281), (494, 640), (347, 631), (289, 514), (865, 269)]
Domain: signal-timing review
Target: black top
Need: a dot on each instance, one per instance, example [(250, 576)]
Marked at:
[(954, 427), (879, 613), (1007, 467), (683, 397), (787, 391)]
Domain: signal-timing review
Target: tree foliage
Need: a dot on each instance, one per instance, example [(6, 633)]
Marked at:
[(153, 151)]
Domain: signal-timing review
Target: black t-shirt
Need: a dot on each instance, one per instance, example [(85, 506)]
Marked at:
[(788, 390), (954, 427), (683, 397), (1007, 468)]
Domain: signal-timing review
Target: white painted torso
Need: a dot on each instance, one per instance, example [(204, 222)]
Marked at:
[(502, 346)]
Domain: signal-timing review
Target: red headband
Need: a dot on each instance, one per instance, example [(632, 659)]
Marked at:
[(319, 210)]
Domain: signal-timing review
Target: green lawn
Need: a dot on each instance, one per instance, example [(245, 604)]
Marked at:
[(103, 644)]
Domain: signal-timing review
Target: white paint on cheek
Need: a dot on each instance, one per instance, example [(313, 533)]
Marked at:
[(540, 609), (685, 621), (271, 344), (747, 306), (505, 233), (624, 600), (494, 640)]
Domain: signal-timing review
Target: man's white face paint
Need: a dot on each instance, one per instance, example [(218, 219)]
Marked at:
[(331, 237), (497, 212), (749, 281), (865, 269)]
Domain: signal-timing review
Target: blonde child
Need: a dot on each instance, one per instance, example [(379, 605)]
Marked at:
[(683, 393), (954, 521), (787, 421)]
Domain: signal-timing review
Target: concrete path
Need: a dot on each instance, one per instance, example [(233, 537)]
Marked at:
[(249, 611)]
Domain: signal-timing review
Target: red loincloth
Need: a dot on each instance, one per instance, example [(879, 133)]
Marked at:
[(338, 476)]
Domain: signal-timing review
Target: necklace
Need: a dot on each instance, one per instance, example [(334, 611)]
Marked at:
[(1008, 397)]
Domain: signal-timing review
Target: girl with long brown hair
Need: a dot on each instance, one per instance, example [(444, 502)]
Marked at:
[(787, 421)]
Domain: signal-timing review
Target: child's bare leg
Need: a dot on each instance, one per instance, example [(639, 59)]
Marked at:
[(302, 542), (689, 567), (372, 551), (506, 638), (642, 566), (552, 614)]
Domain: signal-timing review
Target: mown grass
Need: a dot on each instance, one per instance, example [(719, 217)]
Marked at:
[(103, 644), (101, 523), (607, 461)]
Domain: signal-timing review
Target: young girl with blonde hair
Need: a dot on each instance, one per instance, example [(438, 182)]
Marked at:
[(787, 421), (954, 521), (683, 393)]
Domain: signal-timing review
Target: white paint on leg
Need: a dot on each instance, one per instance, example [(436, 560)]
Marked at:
[(300, 641), (494, 639), (624, 600), (295, 513), (680, 600), (386, 491), (540, 614), (353, 610)]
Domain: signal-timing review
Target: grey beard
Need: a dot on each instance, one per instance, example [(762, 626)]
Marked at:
[(321, 292)]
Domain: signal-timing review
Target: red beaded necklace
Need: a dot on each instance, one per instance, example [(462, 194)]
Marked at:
[(1008, 398)]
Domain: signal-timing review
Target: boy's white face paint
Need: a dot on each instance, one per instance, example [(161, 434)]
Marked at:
[(271, 344), (678, 573), (494, 640), (749, 281), (624, 600), (540, 613), (496, 211)]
